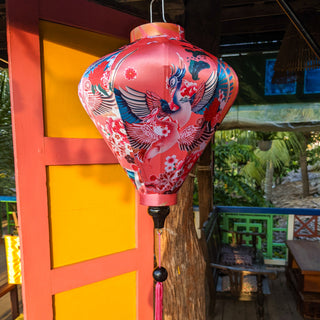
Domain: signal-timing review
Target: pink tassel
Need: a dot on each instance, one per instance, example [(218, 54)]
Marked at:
[(159, 297)]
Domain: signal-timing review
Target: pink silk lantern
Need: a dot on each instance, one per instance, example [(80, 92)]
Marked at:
[(157, 102)]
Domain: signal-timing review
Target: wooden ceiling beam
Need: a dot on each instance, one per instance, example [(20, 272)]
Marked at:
[(131, 1), (241, 20), (237, 3), (172, 8), (139, 9), (177, 3), (261, 9), (254, 25), (250, 11), (241, 38)]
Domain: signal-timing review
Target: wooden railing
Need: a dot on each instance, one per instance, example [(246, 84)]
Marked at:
[(8, 206), (14, 299), (299, 223)]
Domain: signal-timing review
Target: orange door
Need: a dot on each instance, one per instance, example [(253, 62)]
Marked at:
[(87, 247)]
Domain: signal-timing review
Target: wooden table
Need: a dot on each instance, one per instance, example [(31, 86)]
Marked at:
[(303, 274)]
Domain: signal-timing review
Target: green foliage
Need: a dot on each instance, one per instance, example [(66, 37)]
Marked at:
[(298, 143), (278, 154), (7, 183), (231, 186), (313, 149), (241, 166), (255, 171)]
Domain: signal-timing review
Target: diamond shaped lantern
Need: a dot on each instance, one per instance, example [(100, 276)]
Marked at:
[(157, 102)]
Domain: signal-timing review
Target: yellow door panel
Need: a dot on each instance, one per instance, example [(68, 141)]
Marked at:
[(66, 54), (92, 212), (113, 299)]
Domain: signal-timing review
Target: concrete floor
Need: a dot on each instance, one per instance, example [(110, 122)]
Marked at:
[(279, 305)]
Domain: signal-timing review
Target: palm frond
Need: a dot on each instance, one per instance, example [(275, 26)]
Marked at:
[(278, 154)]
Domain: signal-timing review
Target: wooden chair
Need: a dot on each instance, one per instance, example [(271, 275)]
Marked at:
[(13, 290), (219, 252), (244, 284), (238, 269), (238, 243)]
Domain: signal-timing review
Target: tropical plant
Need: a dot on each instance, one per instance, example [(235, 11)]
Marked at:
[(7, 183), (307, 153), (276, 157), (313, 149), (280, 153), (231, 186), (244, 172)]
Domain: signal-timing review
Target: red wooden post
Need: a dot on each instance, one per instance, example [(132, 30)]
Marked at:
[(39, 154)]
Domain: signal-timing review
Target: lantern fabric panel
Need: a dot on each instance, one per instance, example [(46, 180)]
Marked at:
[(157, 103)]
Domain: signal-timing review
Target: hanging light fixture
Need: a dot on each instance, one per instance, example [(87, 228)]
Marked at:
[(157, 102)]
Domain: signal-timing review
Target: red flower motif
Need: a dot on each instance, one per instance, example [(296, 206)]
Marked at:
[(153, 178), (117, 126), (97, 74), (221, 95), (188, 89), (130, 74), (105, 79), (134, 168), (171, 159), (166, 181)]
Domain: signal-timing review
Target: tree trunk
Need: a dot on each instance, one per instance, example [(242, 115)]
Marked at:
[(186, 291), (185, 288), (269, 181), (304, 168)]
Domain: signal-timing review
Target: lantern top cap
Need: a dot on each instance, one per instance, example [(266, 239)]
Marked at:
[(157, 29)]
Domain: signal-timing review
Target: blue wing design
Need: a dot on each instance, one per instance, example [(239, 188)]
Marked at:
[(225, 84), (205, 95), (135, 106), (127, 114), (103, 103)]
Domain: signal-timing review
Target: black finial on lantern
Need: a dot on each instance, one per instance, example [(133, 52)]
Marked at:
[(159, 215), (160, 274)]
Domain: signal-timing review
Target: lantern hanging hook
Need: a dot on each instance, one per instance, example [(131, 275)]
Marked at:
[(162, 8)]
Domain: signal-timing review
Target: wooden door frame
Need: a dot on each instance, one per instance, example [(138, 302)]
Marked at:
[(34, 152)]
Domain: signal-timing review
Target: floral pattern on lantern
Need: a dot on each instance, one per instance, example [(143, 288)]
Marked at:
[(157, 103)]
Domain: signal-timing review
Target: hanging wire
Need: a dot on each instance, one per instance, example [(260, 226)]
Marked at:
[(152, 1), (162, 8), (4, 61)]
